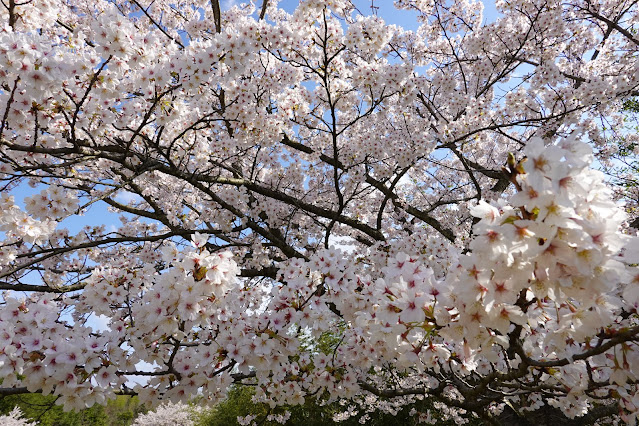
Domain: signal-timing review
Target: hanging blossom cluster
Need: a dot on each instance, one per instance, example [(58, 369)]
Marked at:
[(549, 277), (188, 302), (548, 280), (556, 242)]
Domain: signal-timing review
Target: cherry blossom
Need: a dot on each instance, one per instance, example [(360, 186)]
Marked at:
[(314, 202)]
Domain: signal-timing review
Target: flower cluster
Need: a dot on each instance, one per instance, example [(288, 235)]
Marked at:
[(18, 225), (53, 202), (555, 241)]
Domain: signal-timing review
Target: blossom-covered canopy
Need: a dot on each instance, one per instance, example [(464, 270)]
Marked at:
[(424, 200)]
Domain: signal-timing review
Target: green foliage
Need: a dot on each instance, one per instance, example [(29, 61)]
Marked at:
[(239, 403), (123, 410), (312, 413), (328, 341), (631, 105), (42, 409), (625, 149)]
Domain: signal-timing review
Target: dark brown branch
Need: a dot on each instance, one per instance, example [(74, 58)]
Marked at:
[(381, 187), (217, 15), (612, 24), (4, 285), (157, 25), (263, 11)]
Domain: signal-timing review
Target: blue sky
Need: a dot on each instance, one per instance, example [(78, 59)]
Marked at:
[(385, 9)]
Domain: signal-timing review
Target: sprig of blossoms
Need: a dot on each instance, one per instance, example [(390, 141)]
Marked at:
[(15, 418)]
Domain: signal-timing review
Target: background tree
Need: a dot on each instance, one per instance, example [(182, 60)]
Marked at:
[(620, 157), (481, 262), (15, 418), (43, 410), (168, 414)]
